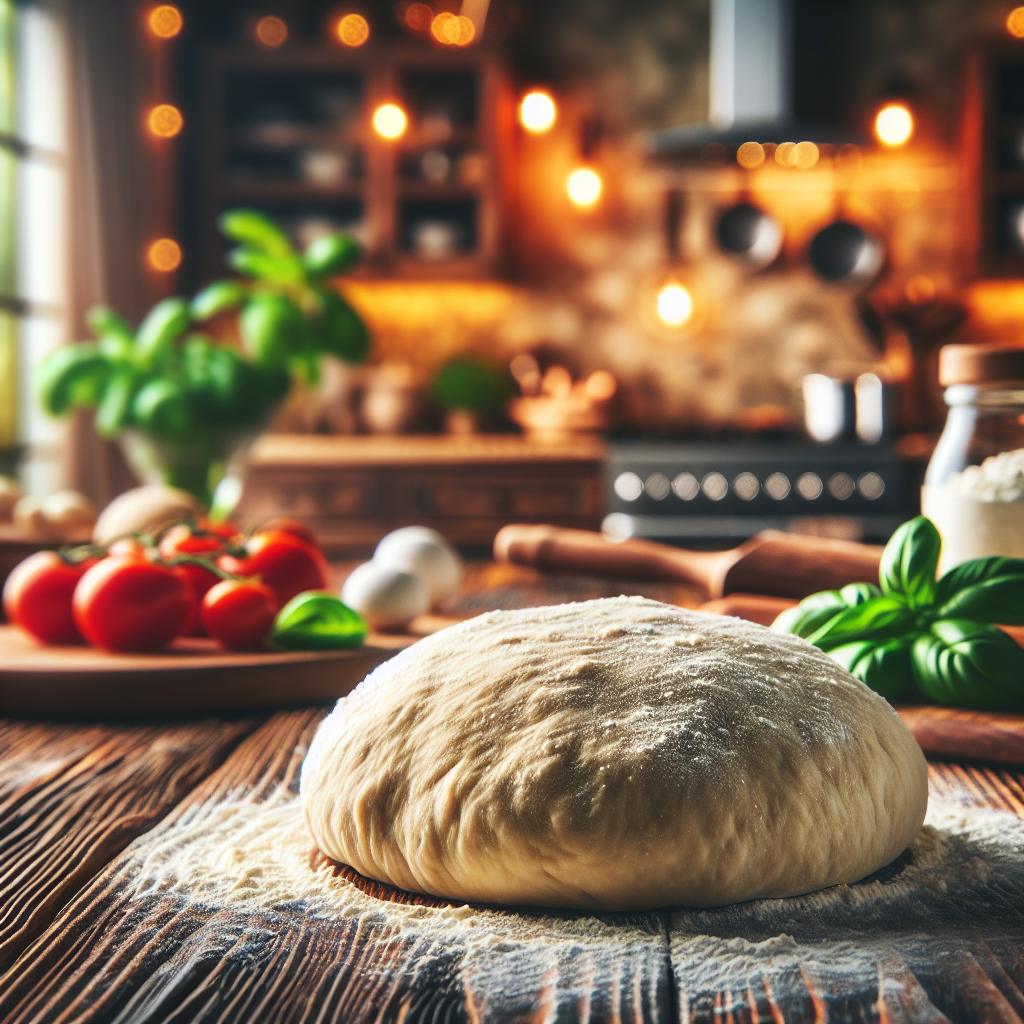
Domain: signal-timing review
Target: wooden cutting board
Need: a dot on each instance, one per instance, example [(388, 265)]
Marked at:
[(941, 732), (190, 676)]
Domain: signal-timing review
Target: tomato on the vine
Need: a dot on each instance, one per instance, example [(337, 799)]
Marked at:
[(38, 595), (239, 613), (284, 562), (126, 603), (295, 527), (183, 541)]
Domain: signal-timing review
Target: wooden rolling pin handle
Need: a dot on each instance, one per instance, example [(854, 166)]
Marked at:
[(781, 564), (552, 547)]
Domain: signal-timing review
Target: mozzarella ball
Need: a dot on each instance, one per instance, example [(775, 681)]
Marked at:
[(387, 598), (427, 554)]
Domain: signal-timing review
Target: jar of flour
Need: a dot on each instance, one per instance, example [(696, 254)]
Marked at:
[(974, 486)]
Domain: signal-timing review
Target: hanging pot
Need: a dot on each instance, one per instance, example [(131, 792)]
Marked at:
[(843, 252)]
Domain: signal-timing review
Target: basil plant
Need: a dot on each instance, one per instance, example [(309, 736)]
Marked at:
[(174, 383), (911, 627)]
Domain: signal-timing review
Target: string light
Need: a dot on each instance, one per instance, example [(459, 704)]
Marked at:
[(584, 187), (352, 30), (675, 305), (389, 121), (452, 29), (165, 121), (894, 125), (419, 16), (164, 255), (271, 32), (750, 155), (1015, 22), (165, 21), (537, 111)]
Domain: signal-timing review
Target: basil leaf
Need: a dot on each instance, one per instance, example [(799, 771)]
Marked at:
[(332, 254), (977, 570), (315, 621), (879, 618), (810, 614), (909, 562), (219, 297), (969, 664), (885, 667), (256, 230), (858, 593), (278, 269), (164, 324), (1000, 599), (70, 376)]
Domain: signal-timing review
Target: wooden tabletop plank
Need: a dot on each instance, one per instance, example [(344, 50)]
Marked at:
[(224, 912), (72, 797)]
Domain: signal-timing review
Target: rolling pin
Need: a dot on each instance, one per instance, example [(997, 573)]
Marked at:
[(780, 564)]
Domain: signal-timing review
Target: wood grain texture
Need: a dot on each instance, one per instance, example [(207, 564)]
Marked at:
[(194, 676), (225, 912), (73, 797)]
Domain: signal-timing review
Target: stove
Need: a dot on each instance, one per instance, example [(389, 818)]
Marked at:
[(714, 493)]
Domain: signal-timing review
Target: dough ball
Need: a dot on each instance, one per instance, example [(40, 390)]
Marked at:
[(386, 598), (425, 552), (145, 510), (28, 516), (69, 512), (615, 754)]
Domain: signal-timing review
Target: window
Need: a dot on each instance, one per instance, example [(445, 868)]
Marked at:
[(33, 229)]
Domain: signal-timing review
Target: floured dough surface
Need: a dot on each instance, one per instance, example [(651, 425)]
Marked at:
[(613, 754)]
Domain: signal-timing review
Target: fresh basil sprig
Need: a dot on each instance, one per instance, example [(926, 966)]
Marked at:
[(940, 634), (315, 621)]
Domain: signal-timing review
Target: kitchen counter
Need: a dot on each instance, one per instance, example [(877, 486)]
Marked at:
[(160, 871)]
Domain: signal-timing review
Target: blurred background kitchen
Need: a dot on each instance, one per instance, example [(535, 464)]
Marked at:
[(680, 268)]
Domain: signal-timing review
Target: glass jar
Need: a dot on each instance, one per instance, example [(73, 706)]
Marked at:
[(974, 486)]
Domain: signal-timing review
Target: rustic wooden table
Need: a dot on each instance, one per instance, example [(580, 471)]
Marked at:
[(160, 871)]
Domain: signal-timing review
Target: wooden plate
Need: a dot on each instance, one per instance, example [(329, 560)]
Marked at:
[(190, 676)]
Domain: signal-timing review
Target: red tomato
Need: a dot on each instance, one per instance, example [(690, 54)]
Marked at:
[(128, 546), (226, 531), (283, 561), (294, 527), (125, 603), (183, 540), (239, 613), (37, 597)]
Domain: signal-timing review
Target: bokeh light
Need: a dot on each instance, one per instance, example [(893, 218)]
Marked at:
[(894, 124), (389, 121), (537, 111), (452, 29), (165, 21), (919, 290), (419, 16), (352, 30), (584, 187), (271, 32), (806, 155), (785, 154), (1015, 22), (165, 121), (675, 305), (750, 155), (164, 255)]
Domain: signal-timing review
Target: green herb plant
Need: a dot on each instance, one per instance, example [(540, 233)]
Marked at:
[(315, 621), (174, 383), (911, 627)]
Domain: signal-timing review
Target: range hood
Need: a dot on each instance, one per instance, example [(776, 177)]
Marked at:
[(751, 84)]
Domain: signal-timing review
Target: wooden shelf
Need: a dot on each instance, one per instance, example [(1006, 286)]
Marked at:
[(288, 191)]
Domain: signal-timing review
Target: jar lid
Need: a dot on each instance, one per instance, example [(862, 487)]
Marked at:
[(980, 364)]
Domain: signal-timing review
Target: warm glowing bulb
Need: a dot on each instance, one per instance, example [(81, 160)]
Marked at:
[(389, 121), (675, 306), (452, 29), (894, 125), (164, 255), (353, 30), (418, 17), (165, 21), (537, 111), (584, 187), (271, 32), (165, 121), (1015, 22), (750, 155)]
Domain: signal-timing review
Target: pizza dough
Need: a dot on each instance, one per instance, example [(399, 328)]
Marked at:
[(615, 754)]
